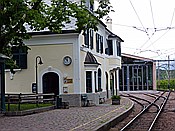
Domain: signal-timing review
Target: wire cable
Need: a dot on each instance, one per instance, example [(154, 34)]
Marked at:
[(172, 18), (152, 16), (138, 16)]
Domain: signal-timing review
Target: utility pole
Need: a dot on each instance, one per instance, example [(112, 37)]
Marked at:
[(168, 72), (158, 76)]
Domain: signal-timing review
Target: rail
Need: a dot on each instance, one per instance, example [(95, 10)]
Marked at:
[(158, 114), (146, 108)]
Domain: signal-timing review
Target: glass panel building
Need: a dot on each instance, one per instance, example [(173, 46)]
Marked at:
[(137, 73)]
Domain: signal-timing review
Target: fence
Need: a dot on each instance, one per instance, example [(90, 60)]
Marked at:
[(20, 99)]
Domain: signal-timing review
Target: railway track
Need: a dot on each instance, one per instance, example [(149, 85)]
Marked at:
[(151, 105)]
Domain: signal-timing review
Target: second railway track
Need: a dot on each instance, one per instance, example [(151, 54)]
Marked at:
[(151, 105)]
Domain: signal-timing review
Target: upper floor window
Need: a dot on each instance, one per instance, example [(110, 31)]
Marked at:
[(89, 38), (99, 43), (109, 50), (20, 57), (118, 48), (86, 38), (91, 5)]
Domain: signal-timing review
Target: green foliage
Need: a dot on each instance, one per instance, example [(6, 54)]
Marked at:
[(14, 107), (116, 97), (164, 84), (17, 16)]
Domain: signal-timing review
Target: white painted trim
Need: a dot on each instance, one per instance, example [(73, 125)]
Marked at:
[(50, 40), (77, 66), (47, 70)]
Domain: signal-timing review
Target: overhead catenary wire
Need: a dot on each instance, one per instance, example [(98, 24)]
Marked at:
[(172, 18), (168, 28), (152, 16), (138, 16)]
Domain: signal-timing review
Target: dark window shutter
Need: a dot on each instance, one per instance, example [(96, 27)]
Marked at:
[(23, 61), (101, 43), (86, 38), (88, 81), (110, 47), (97, 42), (20, 57), (91, 39)]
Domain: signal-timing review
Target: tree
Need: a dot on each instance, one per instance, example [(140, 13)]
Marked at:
[(16, 16)]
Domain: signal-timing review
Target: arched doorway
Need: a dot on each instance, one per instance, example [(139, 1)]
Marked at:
[(51, 83)]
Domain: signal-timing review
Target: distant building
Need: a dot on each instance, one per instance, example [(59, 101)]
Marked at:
[(137, 73)]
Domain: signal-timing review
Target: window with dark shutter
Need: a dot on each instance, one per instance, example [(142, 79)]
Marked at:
[(118, 49), (91, 6), (91, 39), (97, 42), (86, 38), (101, 44), (88, 81), (110, 47), (20, 57), (99, 80)]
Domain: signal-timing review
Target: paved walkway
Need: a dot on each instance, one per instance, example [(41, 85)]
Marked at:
[(72, 119)]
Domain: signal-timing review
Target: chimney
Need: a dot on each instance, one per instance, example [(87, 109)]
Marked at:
[(109, 23)]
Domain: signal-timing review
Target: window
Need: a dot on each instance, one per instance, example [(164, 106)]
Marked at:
[(91, 6), (20, 57), (118, 49), (99, 80), (110, 47), (91, 39), (88, 81), (86, 38), (95, 79), (99, 43)]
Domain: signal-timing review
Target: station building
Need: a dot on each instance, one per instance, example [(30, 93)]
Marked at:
[(137, 73), (69, 64)]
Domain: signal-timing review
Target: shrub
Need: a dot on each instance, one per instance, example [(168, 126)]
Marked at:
[(116, 97)]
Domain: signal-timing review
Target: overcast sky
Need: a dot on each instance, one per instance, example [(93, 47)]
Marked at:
[(144, 26)]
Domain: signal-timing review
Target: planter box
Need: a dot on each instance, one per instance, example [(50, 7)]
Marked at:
[(115, 102)]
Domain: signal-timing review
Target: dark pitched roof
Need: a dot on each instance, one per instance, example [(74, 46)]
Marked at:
[(90, 59), (115, 36)]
